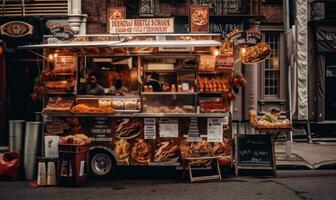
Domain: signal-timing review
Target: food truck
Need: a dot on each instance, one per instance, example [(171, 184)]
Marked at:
[(188, 115)]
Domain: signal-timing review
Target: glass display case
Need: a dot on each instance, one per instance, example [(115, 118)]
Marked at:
[(109, 104), (169, 102)]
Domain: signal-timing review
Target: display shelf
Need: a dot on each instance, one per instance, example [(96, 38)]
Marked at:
[(181, 114), (64, 73), (214, 73), (207, 93), (60, 93), (169, 93), (136, 114)]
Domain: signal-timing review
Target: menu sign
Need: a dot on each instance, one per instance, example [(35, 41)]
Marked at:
[(152, 25), (215, 129), (168, 128), (254, 150), (199, 19), (101, 127), (65, 64), (193, 132), (150, 128)]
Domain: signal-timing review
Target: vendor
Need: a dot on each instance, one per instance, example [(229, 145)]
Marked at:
[(154, 82), (92, 87), (117, 88)]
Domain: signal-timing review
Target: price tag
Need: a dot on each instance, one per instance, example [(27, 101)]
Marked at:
[(150, 128), (215, 129)]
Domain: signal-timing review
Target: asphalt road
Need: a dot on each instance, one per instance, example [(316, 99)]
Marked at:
[(289, 185)]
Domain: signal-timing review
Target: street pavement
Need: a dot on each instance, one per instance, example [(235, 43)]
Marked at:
[(311, 156), (290, 185)]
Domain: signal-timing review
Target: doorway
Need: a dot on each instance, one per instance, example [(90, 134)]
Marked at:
[(330, 83)]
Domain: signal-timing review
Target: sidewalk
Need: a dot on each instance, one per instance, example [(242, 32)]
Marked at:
[(305, 155)]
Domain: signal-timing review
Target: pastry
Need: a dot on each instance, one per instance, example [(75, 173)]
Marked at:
[(121, 151), (166, 152), (141, 152), (128, 129), (82, 108)]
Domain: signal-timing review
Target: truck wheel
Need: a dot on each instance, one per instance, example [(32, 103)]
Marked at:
[(102, 163)]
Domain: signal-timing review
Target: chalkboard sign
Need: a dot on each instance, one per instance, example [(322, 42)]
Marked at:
[(255, 150)]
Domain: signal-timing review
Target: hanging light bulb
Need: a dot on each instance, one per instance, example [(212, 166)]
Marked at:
[(55, 55), (50, 57)]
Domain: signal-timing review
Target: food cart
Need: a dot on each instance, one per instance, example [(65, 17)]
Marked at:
[(188, 118)]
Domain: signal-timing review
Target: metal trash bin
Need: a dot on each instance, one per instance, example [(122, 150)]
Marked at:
[(16, 135), (33, 130), (38, 116)]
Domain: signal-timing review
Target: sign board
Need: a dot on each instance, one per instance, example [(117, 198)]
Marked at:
[(150, 25), (215, 129), (101, 127), (251, 36), (169, 128), (193, 132), (150, 128), (51, 146), (16, 29), (65, 64), (199, 19), (115, 13), (255, 150), (255, 54), (63, 33), (326, 38)]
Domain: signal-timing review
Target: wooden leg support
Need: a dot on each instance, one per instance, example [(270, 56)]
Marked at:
[(192, 178)]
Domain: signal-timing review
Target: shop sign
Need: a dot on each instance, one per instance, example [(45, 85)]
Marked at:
[(152, 25), (16, 29), (255, 54), (63, 33), (251, 36), (199, 19), (326, 38)]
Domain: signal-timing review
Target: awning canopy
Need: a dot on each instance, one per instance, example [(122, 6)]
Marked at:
[(71, 45), (126, 44)]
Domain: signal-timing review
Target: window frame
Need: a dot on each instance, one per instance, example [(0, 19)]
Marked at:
[(281, 80)]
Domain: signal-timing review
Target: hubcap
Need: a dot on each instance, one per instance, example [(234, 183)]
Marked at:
[(101, 164)]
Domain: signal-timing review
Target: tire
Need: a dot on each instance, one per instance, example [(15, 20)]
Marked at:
[(102, 163)]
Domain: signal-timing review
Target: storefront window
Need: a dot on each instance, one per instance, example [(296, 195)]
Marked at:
[(272, 69)]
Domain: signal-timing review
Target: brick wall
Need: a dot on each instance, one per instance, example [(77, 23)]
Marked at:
[(273, 13), (96, 10)]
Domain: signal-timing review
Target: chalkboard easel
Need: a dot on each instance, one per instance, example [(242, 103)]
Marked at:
[(254, 152)]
